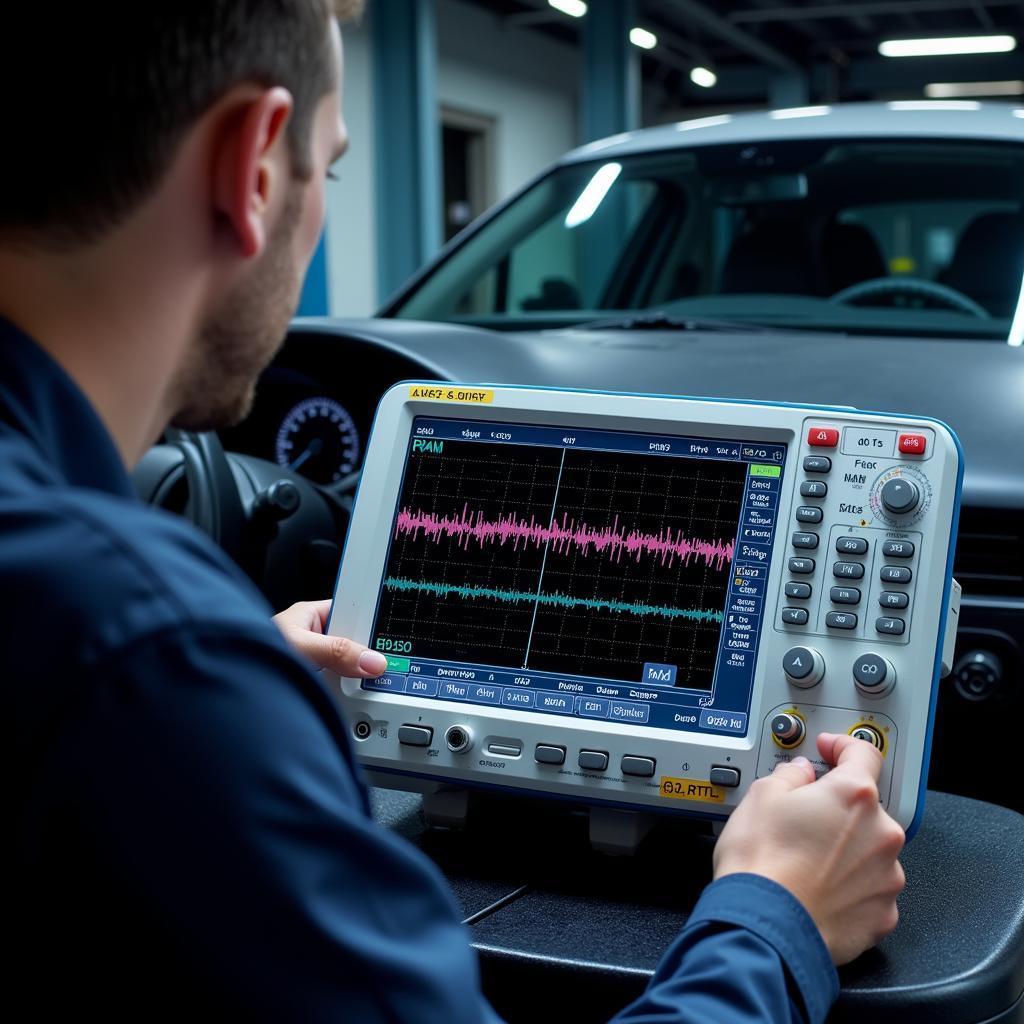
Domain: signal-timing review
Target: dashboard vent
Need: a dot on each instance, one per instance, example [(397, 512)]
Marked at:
[(990, 552)]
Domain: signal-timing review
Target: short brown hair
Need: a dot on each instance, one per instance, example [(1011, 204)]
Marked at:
[(101, 108)]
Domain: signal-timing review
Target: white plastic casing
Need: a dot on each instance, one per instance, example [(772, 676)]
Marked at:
[(866, 453)]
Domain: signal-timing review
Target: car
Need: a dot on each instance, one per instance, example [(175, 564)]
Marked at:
[(868, 255)]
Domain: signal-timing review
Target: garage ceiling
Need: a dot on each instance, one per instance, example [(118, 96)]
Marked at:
[(831, 44)]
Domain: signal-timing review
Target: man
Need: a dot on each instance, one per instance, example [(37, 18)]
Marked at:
[(191, 835)]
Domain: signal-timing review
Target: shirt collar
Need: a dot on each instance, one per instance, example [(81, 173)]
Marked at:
[(39, 400)]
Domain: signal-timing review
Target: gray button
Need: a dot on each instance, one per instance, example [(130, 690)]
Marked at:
[(801, 566), (547, 754), (642, 766), (504, 750), (870, 670), (794, 616), (813, 489), (900, 496), (798, 662), (593, 760), (898, 549), (805, 540), (887, 625), (722, 776), (851, 545), (817, 464), (844, 595), (800, 590), (896, 574), (415, 735), (841, 620), (848, 570), (808, 514), (893, 599)]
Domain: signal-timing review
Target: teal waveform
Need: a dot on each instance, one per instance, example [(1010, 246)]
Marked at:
[(559, 600)]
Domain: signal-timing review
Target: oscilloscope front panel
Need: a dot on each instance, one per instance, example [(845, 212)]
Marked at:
[(644, 601)]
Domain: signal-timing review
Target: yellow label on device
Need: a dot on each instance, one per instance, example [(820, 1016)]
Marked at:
[(444, 393), (691, 789)]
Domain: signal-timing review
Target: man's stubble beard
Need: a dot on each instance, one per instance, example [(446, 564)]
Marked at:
[(217, 384)]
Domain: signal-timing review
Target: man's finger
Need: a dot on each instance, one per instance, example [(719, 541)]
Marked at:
[(321, 609), (851, 754), (336, 654), (793, 774)]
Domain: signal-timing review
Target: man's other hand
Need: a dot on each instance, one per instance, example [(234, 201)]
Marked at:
[(303, 624), (829, 842)]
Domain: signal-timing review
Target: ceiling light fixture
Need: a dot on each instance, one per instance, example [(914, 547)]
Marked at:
[(942, 47), (574, 8), (642, 38), (950, 90), (704, 77)]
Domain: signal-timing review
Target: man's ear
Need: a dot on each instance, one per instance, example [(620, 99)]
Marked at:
[(250, 162)]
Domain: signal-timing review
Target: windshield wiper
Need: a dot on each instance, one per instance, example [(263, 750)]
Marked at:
[(662, 321)]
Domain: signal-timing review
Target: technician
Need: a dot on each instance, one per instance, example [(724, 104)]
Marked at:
[(190, 833)]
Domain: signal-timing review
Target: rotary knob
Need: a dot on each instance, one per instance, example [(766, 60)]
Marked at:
[(873, 675), (804, 667), (900, 496), (788, 730)]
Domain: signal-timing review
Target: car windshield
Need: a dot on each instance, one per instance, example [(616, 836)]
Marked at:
[(904, 236)]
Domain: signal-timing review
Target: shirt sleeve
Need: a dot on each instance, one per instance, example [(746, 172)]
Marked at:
[(214, 779), (749, 954), (234, 853)]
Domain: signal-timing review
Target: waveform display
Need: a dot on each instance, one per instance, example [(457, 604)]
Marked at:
[(586, 562), (558, 600), (615, 540)]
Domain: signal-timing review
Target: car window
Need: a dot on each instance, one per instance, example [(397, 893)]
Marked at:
[(858, 235)]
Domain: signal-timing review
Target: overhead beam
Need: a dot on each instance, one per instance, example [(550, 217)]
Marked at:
[(736, 37), (853, 10)]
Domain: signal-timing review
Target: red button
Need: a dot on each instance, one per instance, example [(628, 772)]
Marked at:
[(913, 444), (823, 437)]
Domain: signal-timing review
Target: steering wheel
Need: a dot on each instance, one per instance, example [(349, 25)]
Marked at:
[(945, 296), (281, 529)]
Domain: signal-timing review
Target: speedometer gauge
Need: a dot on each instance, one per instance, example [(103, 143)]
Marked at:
[(319, 440)]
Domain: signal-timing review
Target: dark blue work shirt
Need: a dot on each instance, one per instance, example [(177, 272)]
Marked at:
[(190, 831)]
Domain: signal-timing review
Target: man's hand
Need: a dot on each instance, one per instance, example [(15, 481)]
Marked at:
[(303, 627), (827, 841)]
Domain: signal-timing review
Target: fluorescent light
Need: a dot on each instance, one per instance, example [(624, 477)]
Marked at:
[(593, 195), (709, 122), (704, 77), (934, 105), (950, 90), (574, 8), (944, 46), (642, 38), (1018, 113), (785, 115)]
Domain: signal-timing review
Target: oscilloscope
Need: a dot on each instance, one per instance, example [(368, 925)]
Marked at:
[(645, 602)]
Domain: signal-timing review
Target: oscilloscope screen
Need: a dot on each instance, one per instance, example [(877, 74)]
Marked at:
[(588, 563)]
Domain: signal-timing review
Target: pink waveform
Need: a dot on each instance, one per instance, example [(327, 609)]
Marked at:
[(613, 540)]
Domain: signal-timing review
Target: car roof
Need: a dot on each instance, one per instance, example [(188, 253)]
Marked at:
[(932, 119)]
